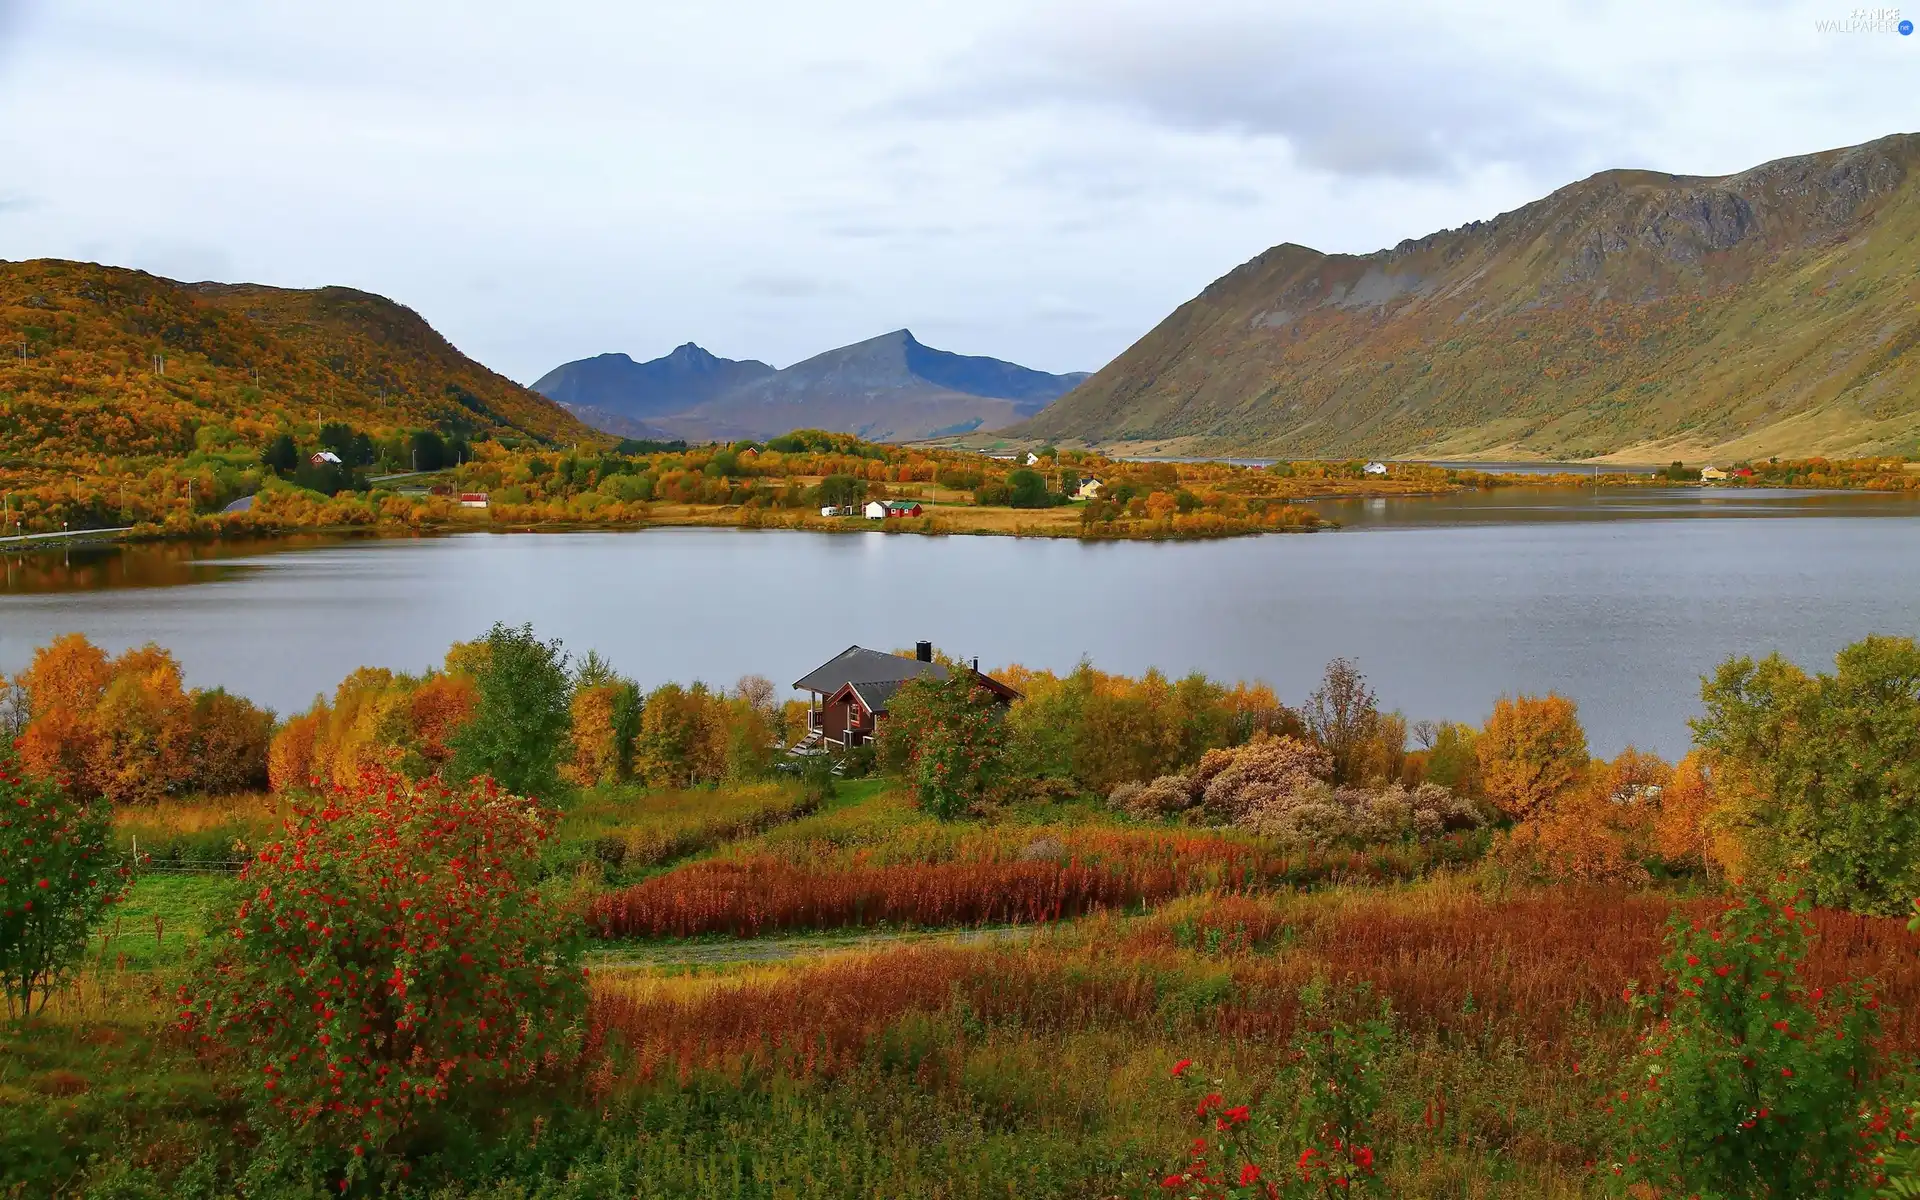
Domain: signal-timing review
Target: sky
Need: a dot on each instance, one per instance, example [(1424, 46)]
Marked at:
[(1038, 180)]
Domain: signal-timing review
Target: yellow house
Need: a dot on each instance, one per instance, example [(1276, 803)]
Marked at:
[(1711, 474), (1089, 489)]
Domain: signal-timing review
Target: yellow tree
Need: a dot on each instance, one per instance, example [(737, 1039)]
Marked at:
[(1684, 833), (1531, 750)]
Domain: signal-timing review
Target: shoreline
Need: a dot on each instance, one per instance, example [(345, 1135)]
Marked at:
[(992, 521)]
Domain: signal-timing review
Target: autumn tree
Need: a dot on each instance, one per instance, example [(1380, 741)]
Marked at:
[(668, 751), (126, 730), (1531, 749), (63, 683), (1344, 717), (231, 738), (606, 712), (1820, 774), (1598, 828), (1682, 833), (518, 731), (1453, 760)]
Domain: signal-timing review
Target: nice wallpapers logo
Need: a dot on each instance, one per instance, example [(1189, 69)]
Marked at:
[(1867, 20)]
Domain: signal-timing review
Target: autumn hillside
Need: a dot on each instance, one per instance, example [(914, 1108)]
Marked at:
[(1637, 315), (79, 381)]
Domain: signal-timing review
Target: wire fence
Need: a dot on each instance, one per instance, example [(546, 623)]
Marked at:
[(194, 866)]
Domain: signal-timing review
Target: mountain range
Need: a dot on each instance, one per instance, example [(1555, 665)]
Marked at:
[(105, 363), (889, 388), (1633, 315)]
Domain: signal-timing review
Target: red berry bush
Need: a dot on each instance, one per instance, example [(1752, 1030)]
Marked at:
[(56, 878), (389, 959)]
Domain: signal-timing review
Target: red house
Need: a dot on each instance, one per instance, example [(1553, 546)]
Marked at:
[(851, 691)]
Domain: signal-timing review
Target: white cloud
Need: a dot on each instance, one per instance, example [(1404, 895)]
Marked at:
[(1041, 181)]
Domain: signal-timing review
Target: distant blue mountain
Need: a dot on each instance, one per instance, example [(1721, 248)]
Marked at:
[(889, 388), (614, 383)]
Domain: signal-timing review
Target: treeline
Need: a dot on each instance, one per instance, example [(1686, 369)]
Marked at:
[(1808, 777), (124, 729)]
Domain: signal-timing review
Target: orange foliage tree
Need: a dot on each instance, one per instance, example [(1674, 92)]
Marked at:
[(378, 721), (1531, 750), (1598, 828), (124, 729)]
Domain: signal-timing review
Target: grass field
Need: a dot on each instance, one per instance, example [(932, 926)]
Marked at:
[(873, 1003)]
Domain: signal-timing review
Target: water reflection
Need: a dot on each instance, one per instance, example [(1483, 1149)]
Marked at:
[(1513, 506)]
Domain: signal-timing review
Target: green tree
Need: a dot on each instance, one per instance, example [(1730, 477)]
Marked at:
[(950, 738), (281, 454), (427, 451), (521, 717), (842, 489), (56, 879), (1822, 773), (1028, 489)]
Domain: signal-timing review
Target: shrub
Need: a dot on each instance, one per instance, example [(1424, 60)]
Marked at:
[(1164, 797), (1264, 773), (1820, 774), (55, 881), (1324, 1147), (389, 959), (1749, 1081)]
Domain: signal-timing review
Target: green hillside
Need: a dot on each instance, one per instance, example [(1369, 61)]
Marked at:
[(1632, 315)]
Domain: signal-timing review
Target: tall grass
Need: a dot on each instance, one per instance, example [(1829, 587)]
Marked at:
[(981, 878), (627, 828), (198, 831)]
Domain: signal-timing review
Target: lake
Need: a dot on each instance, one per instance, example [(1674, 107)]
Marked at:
[(1620, 599)]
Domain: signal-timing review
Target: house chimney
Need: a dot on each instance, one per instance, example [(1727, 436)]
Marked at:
[(923, 651), (976, 664)]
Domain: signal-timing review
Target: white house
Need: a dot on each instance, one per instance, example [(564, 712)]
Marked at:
[(828, 510), (877, 510), (1375, 468), (1032, 459)]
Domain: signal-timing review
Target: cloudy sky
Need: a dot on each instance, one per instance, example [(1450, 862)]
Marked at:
[(1036, 180)]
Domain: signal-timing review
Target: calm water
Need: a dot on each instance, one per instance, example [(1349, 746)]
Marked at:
[(1621, 601)]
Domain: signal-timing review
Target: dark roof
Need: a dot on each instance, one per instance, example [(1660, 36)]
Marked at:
[(876, 694), (857, 664)]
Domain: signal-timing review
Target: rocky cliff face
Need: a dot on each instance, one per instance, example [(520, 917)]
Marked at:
[(1632, 314)]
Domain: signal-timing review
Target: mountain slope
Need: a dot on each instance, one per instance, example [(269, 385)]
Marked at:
[(1633, 314), (889, 388), (79, 379)]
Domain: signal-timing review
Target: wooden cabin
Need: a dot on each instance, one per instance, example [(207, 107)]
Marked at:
[(851, 690)]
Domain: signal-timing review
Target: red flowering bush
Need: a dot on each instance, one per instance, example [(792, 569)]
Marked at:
[(388, 958), (1751, 1081), (1323, 1147), (56, 878)]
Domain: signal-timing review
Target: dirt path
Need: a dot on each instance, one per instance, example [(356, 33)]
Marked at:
[(778, 949)]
